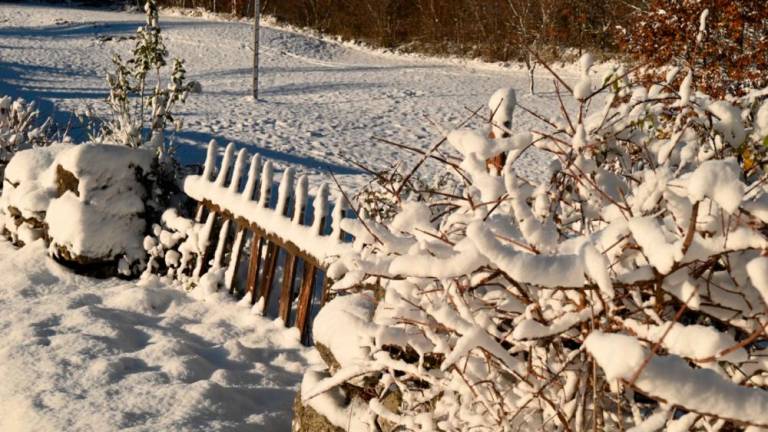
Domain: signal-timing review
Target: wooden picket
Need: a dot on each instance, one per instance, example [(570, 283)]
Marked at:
[(300, 278)]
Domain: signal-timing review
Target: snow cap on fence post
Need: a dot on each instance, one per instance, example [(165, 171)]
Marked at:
[(237, 172), (210, 161), (301, 200), (266, 184), (225, 163), (338, 215), (285, 190), (253, 177), (320, 208)]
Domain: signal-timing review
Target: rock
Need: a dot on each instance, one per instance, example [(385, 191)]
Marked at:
[(96, 224), (27, 191), (306, 419), (327, 356), (66, 181)]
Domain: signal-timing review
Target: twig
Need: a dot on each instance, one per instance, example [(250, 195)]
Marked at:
[(357, 213)]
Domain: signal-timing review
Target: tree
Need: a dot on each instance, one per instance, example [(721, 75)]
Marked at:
[(731, 55), (532, 21)]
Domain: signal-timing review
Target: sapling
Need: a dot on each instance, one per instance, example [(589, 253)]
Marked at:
[(141, 103)]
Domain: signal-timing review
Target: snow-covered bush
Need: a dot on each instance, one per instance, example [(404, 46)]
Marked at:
[(629, 290), (19, 129), (377, 199), (173, 248), (142, 107)]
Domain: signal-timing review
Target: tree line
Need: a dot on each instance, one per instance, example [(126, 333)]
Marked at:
[(495, 30), (732, 55)]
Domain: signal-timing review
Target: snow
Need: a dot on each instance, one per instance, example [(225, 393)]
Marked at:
[(103, 218), (672, 380), (757, 269), (353, 313), (82, 354), (685, 90), (502, 105), (596, 267), (29, 183), (99, 219), (695, 342), (583, 88), (334, 406), (92, 231), (728, 122), (480, 289), (618, 355), (719, 181), (321, 101), (702, 25), (217, 191), (650, 236), (761, 120), (547, 271)]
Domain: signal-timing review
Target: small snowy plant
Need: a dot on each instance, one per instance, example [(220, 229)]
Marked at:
[(142, 108), (629, 290), (174, 248), (19, 128)]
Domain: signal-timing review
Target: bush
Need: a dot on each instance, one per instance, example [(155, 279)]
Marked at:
[(724, 41), (19, 129), (629, 289), (142, 109)]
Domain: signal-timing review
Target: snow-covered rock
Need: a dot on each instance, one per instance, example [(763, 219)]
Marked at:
[(98, 219), (88, 200), (29, 186)]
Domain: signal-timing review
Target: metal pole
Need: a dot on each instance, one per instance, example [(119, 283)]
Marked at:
[(256, 17)]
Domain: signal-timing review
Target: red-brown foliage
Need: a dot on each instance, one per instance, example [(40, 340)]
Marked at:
[(733, 55)]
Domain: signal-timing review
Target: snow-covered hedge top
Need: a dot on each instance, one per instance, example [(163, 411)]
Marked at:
[(251, 198), (651, 226)]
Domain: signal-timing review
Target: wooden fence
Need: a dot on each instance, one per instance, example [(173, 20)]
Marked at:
[(288, 236)]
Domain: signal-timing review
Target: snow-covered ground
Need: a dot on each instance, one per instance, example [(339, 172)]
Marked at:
[(81, 354), (321, 101)]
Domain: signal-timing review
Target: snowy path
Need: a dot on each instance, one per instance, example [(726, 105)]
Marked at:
[(322, 101), (80, 354)]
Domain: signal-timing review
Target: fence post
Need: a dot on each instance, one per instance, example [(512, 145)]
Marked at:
[(256, 18)]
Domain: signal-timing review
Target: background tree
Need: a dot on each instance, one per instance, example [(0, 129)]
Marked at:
[(533, 22), (493, 30), (733, 54)]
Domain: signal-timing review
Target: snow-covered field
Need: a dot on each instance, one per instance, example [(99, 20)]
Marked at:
[(322, 102), (79, 354)]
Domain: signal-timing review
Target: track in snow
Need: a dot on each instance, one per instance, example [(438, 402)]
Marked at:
[(322, 102)]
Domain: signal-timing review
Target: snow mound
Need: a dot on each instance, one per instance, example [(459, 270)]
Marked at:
[(99, 216), (111, 355)]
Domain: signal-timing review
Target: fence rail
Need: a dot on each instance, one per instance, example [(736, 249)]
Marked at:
[(289, 237)]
